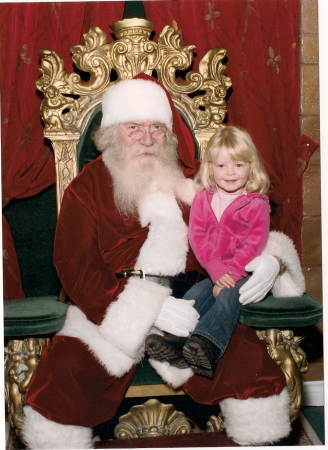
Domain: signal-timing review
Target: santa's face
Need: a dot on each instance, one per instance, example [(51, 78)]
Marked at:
[(141, 140), (134, 164)]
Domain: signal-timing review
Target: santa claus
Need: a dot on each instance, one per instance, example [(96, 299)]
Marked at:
[(122, 254)]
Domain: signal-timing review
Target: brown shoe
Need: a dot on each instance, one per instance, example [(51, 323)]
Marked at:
[(199, 354), (166, 348)]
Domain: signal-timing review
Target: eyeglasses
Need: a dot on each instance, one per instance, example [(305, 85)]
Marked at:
[(157, 131)]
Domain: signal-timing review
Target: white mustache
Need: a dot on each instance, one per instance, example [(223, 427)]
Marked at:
[(144, 152)]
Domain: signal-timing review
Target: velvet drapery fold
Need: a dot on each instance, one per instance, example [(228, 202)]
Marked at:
[(261, 38), (27, 162)]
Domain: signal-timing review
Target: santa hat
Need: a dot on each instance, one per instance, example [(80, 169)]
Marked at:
[(135, 100), (145, 98)]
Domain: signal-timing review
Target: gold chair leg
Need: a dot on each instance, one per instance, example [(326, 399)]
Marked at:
[(283, 347), (21, 359)]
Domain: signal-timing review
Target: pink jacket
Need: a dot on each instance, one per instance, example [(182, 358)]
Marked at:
[(230, 244)]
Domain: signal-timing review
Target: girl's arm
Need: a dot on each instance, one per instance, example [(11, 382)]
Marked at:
[(202, 225), (257, 217)]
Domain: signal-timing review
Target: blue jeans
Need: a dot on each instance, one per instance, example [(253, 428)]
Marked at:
[(218, 316)]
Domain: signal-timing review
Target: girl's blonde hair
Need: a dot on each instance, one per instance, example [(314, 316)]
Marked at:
[(241, 148)]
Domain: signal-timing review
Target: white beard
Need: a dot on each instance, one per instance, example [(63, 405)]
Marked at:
[(133, 177)]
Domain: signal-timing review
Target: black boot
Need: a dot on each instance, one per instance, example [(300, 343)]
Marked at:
[(199, 353), (166, 348)]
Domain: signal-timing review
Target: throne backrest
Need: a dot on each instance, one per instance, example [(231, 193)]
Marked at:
[(72, 106)]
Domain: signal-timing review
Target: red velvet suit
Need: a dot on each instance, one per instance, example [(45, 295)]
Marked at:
[(93, 243)]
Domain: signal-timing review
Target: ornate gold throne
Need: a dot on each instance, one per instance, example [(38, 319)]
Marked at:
[(70, 109)]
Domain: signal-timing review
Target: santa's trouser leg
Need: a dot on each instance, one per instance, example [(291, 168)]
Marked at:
[(257, 421), (41, 433), (69, 394), (250, 389)]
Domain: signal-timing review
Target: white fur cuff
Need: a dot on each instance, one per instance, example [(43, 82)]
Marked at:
[(257, 421), (172, 376), (291, 282), (128, 320), (41, 433), (77, 325)]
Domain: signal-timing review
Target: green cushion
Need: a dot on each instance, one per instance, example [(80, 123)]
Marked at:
[(273, 312), (145, 374), (32, 223), (33, 316), (86, 149)]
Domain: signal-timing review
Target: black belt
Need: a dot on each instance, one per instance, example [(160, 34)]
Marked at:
[(182, 280), (191, 276)]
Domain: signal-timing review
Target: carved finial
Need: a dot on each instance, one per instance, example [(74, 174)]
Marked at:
[(132, 26)]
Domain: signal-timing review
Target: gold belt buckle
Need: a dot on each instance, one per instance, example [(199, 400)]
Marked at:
[(132, 271)]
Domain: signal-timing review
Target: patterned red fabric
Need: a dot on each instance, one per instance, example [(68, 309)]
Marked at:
[(261, 38), (27, 162)]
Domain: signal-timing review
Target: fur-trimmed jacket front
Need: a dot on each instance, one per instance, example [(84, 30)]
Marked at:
[(234, 241)]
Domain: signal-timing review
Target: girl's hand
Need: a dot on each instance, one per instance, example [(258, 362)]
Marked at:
[(216, 290), (226, 280)]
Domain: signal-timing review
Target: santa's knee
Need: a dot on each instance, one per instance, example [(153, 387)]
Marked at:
[(41, 433), (257, 421)]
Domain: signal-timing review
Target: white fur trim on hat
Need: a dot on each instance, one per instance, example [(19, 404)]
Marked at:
[(135, 101)]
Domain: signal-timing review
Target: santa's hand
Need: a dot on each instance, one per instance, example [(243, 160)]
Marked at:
[(177, 317), (265, 269)]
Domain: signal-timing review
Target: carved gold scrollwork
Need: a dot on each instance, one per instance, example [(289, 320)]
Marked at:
[(57, 107), (153, 418), (215, 423), (134, 53), (65, 158), (21, 359), (216, 85), (284, 348), (176, 57), (93, 58)]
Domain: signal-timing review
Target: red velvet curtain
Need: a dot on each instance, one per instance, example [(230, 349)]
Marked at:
[(261, 38), (27, 163)]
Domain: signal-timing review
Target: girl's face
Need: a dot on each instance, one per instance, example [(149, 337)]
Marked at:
[(230, 176)]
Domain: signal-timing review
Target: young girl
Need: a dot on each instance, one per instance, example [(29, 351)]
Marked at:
[(228, 227)]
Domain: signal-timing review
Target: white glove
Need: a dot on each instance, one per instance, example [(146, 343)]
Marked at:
[(265, 269), (177, 317)]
